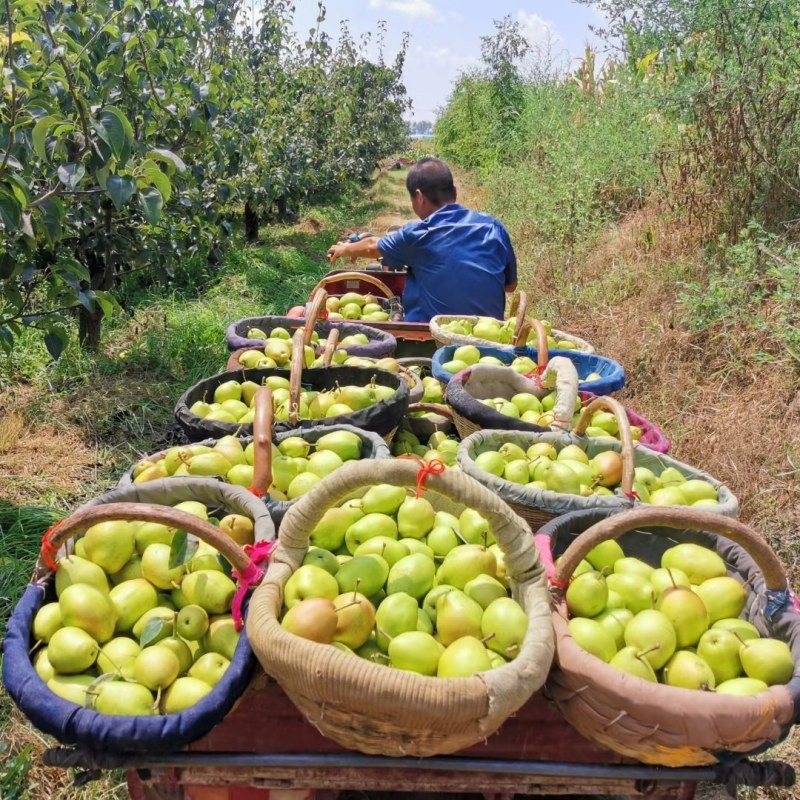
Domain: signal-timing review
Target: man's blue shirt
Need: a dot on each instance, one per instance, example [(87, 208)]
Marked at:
[(459, 262)]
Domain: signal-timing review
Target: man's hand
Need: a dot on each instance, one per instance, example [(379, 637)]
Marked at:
[(364, 248), (337, 251)]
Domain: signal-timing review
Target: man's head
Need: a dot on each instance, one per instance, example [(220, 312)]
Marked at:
[(430, 185)]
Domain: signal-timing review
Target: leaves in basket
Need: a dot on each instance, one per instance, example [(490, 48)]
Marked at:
[(152, 631), (182, 549)]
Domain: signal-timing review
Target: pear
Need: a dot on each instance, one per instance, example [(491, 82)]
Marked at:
[(633, 565), (46, 622), (662, 579), (687, 613), (373, 524), (110, 544), (484, 589), (152, 533), (768, 660), (117, 657), (512, 452), (182, 694), (355, 619), (464, 563), (698, 563), (491, 462), (431, 599), (592, 637), (124, 699), (631, 660), (221, 636), (415, 651), (560, 478), (741, 627), (322, 558), (156, 667), (651, 631), (503, 626), (688, 671), (614, 621), (720, 650), (457, 615), (416, 546), (130, 600), (44, 669), (587, 594), (209, 668), (396, 614), (71, 650), (413, 574), (74, 569), (346, 444), (313, 618), (741, 686), (180, 649), (415, 517), (442, 539), (724, 597), (636, 591), (391, 550), (474, 527), (71, 687), (365, 574), (324, 463), (604, 555), (166, 626), (330, 530), (83, 606), (210, 464), (301, 484), (156, 569), (294, 447), (463, 658), (383, 499), (210, 589), (238, 527)]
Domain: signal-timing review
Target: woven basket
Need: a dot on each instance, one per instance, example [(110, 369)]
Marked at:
[(659, 724), (68, 722), (538, 507), (424, 427), (518, 307), (376, 709)]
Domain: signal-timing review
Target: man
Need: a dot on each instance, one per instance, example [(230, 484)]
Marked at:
[(459, 261)]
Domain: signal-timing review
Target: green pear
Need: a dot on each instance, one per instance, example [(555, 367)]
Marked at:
[(396, 614), (592, 637), (83, 606), (687, 670), (768, 660), (667, 496), (614, 621), (181, 649), (182, 694), (465, 562), (604, 555), (631, 660), (383, 499), (415, 651), (587, 594), (671, 477), (44, 669), (413, 574), (415, 517), (687, 613), (46, 622), (324, 462), (346, 444), (431, 599), (110, 544), (491, 462), (71, 650), (117, 656), (474, 528), (210, 589), (221, 636), (74, 569), (442, 539), (484, 589), (130, 600), (320, 557), (741, 627), (71, 687), (313, 618), (633, 565), (720, 650), (124, 699), (463, 658), (166, 626), (741, 686), (156, 569), (355, 619), (636, 591), (391, 550), (330, 530), (156, 667), (209, 668), (131, 570), (417, 546), (365, 574), (457, 615), (560, 478), (662, 579), (152, 533), (651, 631), (373, 524), (503, 626), (724, 597), (294, 447)]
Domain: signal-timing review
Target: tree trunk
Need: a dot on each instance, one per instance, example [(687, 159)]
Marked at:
[(250, 223), (89, 325)]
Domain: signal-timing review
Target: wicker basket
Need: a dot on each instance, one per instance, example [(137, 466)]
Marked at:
[(518, 307), (659, 724), (375, 709), (424, 427), (538, 507), (68, 722)]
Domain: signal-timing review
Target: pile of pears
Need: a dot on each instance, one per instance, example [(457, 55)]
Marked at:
[(140, 623), (468, 355), (495, 330), (232, 461), (234, 401), (439, 447), (567, 469), (432, 391), (364, 307), (277, 351), (390, 579), (678, 624)]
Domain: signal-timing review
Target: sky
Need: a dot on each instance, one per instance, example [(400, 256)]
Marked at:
[(446, 35)]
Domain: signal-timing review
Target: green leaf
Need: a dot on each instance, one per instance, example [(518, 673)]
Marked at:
[(121, 189), (54, 341), (106, 303), (39, 135), (152, 202), (152, 631), (169, 157), (86, 299), (182, 549), (118, 132), (71, 175), (9, 212), (158, 179)]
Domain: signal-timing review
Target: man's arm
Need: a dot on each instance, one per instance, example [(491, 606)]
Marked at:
[(511, 287), (363, 248)]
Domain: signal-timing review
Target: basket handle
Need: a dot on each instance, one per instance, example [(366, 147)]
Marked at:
[(522, 333), (542, 355), (518, 306), (82, 520), (353, 275), (330, 347), (687, 518), (262, 442), (625, 438), (436, 408), (296, 367), (315, 304)]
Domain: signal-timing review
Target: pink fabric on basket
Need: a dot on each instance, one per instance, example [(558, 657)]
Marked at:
[(652, 435)]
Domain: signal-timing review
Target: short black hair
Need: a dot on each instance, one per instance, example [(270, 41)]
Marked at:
[(433, 178)]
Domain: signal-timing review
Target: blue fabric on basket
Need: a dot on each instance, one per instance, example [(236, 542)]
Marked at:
[(71, 724), (612, 374)]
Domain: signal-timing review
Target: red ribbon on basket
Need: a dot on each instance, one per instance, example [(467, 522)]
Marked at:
[(258, 552), (257, 492), (434, 467), (50, 550)]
